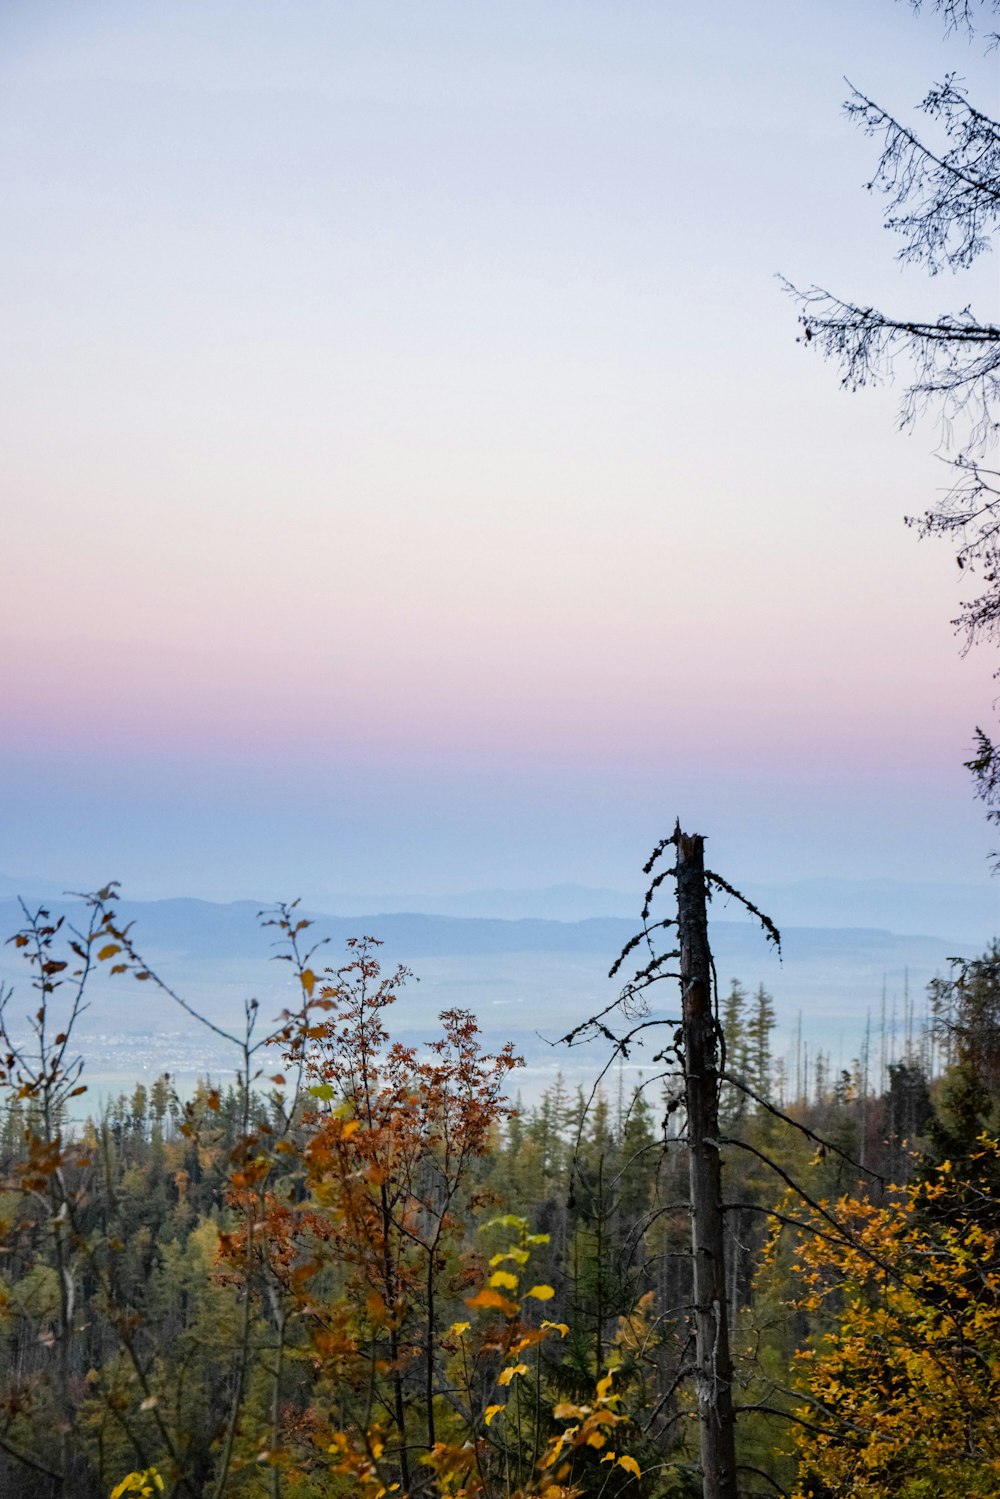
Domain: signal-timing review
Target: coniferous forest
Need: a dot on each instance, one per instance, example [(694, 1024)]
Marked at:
[(364, 1269)]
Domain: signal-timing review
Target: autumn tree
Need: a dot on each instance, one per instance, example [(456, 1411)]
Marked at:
[(390, 1141), (899, 1374)]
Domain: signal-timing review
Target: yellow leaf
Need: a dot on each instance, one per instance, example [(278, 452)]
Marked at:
[(531, 1339), (506, 1375), (597, 1439), (308, 980), (604, 1386), (630, 1465), (519, 1256), (144, 1483), (504, 1280), (562, 1328), (458, 1328), (108, 951), (507, 1220), (491, 1411), (542, 1293)]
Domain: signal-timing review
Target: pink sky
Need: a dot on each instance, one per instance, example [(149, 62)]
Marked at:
[(407, 453)]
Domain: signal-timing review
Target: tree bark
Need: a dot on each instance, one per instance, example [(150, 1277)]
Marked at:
[(714, 1359)]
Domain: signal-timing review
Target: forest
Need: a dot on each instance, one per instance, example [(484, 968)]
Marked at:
[(363, 1268)]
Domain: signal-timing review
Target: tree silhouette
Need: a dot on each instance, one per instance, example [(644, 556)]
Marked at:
[(941, 184)]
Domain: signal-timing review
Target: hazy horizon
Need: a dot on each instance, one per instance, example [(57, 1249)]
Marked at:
[(962, 911)]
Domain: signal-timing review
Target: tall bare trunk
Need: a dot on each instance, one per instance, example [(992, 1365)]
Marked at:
[(715, 1374)]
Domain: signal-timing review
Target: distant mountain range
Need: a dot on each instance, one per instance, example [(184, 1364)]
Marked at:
[(530, 963), (966, 913), (528, 979)]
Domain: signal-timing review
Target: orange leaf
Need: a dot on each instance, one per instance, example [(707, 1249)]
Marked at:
[(489, 1298), (566, 1410)]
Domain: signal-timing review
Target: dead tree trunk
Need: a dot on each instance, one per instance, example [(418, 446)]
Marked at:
[(696, 1047), (714, 1360)]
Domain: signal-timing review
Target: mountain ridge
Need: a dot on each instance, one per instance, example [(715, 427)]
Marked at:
[(967, 913)]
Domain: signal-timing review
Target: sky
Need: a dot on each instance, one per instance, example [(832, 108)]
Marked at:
[(411, 478)]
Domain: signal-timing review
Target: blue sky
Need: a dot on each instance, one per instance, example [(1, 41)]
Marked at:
[(413, 481)]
